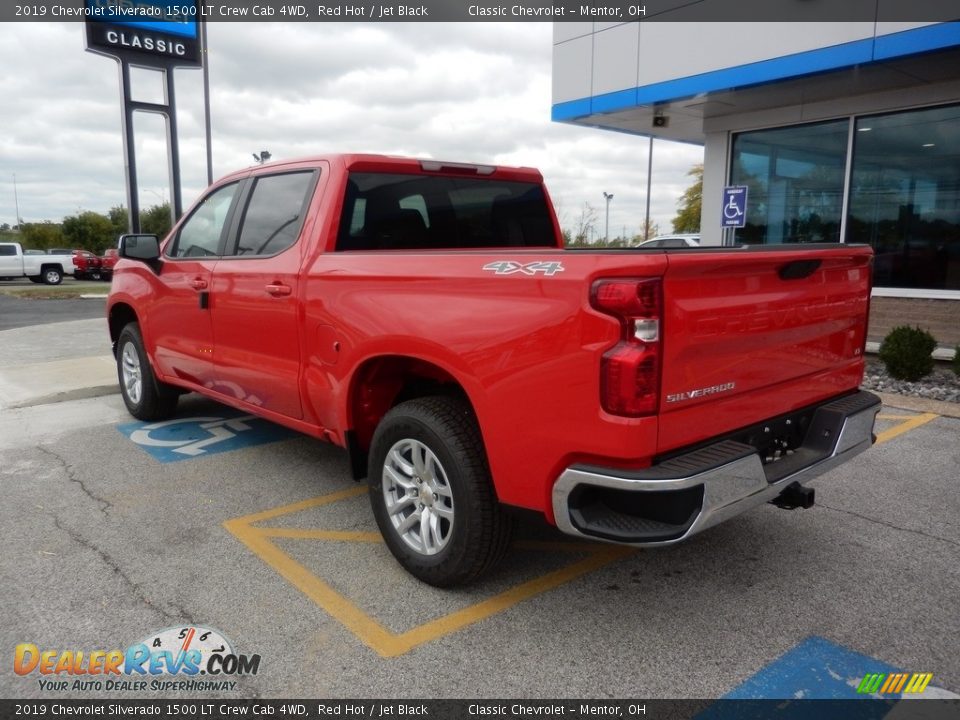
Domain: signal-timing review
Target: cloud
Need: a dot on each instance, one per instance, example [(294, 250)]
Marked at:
[(476, 92)]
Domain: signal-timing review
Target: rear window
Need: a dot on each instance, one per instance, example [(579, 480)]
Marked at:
[(414, 212)]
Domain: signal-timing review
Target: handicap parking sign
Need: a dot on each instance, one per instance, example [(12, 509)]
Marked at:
[(734, 206), (192, 437)]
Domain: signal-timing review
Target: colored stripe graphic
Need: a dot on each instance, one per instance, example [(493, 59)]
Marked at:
[(918, 683), (893, 683), (871, 683)]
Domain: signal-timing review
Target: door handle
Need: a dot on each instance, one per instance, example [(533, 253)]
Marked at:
[(278, 289), (198, 284)]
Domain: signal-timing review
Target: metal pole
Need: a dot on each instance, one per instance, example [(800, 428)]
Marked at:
[(205, 54), (129, 151), (646, 224), (606, 231), (173, 145), (16, 201)]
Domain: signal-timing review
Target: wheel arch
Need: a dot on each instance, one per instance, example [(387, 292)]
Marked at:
[(119, 316), (382, 382)]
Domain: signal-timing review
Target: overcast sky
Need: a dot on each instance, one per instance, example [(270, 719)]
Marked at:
[(464, 92)]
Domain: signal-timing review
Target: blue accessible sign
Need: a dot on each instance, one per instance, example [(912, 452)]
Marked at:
[(192, 437), (734, 206)]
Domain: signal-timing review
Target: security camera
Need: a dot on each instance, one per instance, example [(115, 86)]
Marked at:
[(660, 121)]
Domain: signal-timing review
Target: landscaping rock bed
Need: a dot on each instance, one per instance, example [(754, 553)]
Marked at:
[(942, 384)]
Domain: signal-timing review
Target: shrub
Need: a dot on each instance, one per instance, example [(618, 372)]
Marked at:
[(906, 351), (956, 360)]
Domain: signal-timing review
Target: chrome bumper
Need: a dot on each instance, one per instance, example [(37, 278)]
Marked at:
[(730, 474)]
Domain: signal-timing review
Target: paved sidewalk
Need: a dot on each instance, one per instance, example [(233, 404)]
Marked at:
[(55, 362)]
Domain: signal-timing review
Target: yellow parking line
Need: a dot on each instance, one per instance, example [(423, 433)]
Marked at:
[(353, 618), (379, 638), (302, 505), (456, 621), (301, 534), (906, 425)]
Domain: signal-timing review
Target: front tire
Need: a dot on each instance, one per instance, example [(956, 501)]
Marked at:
[(146, 397), (431, 492)]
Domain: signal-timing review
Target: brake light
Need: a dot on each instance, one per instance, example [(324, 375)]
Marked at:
[(630, 370)]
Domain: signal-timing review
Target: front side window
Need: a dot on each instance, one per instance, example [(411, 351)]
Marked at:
[(200, 235), (905, 197), (795, 181), (274, 215)]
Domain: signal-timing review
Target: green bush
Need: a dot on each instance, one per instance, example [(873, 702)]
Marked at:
[(956, 360), (907, 352)]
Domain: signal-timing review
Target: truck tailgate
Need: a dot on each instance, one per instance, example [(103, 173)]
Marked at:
[(751, 333)]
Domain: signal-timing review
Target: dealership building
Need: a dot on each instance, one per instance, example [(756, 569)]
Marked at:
[(842, 132)]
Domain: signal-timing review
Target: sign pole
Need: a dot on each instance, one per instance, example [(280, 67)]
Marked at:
[(136, 38), (173, 148), (205, 57), (129, 150)]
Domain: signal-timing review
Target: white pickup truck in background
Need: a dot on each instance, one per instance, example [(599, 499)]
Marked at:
[(48, 269)]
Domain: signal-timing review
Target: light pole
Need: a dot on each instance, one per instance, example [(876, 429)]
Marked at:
[(16, 200), (606, 231), (646, 222)]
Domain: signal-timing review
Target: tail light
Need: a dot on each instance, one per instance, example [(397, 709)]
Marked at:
[(630, 370)]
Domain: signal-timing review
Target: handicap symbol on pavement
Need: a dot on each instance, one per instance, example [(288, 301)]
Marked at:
[(192, 437)]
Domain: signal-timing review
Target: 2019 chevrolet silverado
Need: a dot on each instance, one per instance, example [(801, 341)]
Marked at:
[(425, 316)]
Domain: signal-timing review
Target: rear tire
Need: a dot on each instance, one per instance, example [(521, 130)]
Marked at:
[(51, 276), (431, 492), (146, 397)]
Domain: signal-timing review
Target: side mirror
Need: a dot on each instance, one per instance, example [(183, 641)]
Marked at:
[(145, 248)]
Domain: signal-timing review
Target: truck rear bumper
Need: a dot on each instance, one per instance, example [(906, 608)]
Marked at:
[(682, 495)]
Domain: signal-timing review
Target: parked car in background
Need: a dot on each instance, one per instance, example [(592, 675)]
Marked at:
[(678, 240), (107, 261), (49, 268), (87, 265)]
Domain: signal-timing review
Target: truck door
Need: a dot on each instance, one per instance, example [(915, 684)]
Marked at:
[(179, 325), (10, 263), (255, 295)]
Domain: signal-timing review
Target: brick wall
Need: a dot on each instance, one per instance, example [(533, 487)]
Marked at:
[(940, 317)]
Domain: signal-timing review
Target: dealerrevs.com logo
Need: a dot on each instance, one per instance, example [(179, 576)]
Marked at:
[(184, 658)]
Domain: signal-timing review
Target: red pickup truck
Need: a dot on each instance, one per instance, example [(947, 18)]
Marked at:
[(425, 316)]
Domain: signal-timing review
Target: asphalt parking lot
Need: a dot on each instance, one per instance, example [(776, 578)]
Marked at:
[(117, 531)]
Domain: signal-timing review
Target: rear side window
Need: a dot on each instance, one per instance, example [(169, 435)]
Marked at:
[(8, 250), (200, 235), (274, 214), (416, 212)]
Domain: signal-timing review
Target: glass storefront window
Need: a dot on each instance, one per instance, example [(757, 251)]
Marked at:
[(905, 197), (795, 180)]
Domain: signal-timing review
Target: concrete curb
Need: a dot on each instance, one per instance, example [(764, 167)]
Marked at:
[(57, 381), (908, 402)]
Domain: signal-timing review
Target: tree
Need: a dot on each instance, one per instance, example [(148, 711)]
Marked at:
[(156, 220), (688, 213), (41, 235), (584, 225), (88, 230), (650, 231), (120, 219)]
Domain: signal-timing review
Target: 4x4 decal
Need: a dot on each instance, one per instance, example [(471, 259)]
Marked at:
[(509, 267)]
